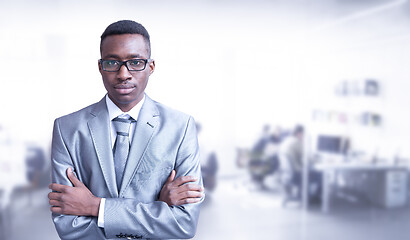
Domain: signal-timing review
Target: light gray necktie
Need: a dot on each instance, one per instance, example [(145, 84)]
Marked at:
[(121, 146)]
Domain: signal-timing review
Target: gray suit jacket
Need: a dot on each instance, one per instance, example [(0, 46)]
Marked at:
[(164, 139)]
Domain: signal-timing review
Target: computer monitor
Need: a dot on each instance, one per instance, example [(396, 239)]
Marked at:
[(330, 144)]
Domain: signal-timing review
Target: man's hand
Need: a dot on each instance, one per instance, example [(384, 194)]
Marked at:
[(77, 200), (179, 192)]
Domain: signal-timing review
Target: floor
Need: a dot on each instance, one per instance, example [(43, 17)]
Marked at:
[(239, 210)]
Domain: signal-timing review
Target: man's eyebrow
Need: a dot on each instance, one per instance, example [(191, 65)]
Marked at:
[(112, 56), (134, 56)]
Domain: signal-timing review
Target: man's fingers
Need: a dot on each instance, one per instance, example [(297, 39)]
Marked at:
[(57, 210), (185, 179), (55, 203), (190, 187), (191, 194), (74, 180), (171, 176), (54, 196), (188, 200), (57, 187)]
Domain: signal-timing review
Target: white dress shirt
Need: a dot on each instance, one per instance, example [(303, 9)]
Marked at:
[(113, 112)]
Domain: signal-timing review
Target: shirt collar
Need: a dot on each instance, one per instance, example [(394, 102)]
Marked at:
[(114, 111)]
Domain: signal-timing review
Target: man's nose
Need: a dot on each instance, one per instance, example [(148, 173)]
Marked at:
[(123, 74)]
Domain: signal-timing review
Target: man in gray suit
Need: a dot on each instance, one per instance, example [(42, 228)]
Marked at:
[(96, 196)]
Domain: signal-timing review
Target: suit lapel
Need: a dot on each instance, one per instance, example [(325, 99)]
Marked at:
[(99, 127), (147, 122)]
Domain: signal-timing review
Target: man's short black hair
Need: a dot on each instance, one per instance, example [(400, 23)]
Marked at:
[(127, 27), (299, 129)]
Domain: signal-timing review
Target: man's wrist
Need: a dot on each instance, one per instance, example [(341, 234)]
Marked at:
[(95, 206)]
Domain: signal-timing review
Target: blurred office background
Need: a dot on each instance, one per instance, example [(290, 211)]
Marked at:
[(250, 72)]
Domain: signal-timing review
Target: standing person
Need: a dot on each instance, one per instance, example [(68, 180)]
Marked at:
[(292, 150), (114, 162)]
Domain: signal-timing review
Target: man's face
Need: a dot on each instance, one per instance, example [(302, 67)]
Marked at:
[(125, 88)]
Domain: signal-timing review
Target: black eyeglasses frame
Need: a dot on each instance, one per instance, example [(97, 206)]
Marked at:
[(124, 63)]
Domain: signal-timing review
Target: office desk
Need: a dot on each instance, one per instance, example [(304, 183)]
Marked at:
[(390, 182)]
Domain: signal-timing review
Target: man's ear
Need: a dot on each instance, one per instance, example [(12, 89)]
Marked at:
[(151, 66), (99, 66)]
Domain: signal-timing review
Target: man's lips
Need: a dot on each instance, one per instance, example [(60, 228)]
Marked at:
[(124, 89)]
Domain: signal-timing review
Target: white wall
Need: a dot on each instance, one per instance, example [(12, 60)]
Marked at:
[(233, 65)]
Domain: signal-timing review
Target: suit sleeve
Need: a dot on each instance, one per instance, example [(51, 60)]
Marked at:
[(69, 226), (158, 220)]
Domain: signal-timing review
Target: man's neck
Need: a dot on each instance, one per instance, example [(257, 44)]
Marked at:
[(114, 110), (126, 107)]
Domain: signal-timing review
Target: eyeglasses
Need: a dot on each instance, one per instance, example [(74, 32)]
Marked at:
[(132, 65)]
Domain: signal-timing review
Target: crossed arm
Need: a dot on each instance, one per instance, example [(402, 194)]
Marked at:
[(78, 200)]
